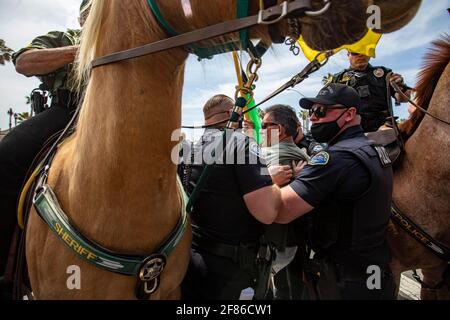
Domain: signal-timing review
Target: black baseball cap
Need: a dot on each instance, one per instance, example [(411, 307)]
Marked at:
[(334, 93)]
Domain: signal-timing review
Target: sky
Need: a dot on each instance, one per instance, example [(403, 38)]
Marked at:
[(402, 51)]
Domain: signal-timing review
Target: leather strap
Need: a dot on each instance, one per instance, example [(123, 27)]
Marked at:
[(274, 31), (294, 8)]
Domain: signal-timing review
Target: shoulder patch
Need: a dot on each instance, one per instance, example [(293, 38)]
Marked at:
[(320, 159), (378, 72), (317, 148)]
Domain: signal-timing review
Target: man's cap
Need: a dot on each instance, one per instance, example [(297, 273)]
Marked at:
[(334, 93)]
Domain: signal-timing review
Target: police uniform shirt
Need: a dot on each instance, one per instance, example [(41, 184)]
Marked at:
[(371, 86), (343, 177), (220, 211)]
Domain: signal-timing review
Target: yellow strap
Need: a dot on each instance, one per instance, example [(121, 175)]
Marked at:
[(23, 197), (239, 76)]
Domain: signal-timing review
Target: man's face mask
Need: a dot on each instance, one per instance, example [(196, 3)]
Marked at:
[(324, 132)]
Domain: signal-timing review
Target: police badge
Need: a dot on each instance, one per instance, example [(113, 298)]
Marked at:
[(378, 72)]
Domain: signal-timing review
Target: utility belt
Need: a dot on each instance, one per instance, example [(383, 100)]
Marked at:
[(243, 254), (66, 99)]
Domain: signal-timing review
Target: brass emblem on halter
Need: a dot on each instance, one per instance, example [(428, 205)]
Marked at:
[(149, 275)]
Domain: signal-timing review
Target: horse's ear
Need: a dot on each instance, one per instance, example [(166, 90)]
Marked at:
[(396, 14)]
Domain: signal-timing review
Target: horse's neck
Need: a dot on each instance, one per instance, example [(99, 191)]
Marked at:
[(121, 169), (421, 184)]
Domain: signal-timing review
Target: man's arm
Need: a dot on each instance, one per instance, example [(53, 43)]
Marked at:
[(44, 61), (264, 204), (292, 206)]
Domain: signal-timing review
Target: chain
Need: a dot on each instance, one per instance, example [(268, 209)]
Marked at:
[(294, 35), (312, 67), (246, 89)]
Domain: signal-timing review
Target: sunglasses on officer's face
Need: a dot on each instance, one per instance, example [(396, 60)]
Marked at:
[(355, 54), (320, 111)]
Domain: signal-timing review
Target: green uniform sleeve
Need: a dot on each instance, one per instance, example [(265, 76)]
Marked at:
[(53, 39)]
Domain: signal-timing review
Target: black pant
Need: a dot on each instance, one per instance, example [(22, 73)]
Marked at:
[(211, 277), (357, 290), (17, 152)]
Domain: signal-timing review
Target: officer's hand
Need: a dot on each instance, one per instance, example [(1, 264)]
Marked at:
[(298, 167), (398, 79), (281, 175)]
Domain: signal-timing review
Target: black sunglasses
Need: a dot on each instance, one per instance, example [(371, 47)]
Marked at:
[(265, 125), (320, 111), (355, 54)]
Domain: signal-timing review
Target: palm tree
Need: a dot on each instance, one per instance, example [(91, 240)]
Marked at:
[(21, 117), (28, 102), (5, 52)]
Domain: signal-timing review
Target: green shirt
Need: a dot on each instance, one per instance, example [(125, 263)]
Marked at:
[(284, 153), (55, 39)]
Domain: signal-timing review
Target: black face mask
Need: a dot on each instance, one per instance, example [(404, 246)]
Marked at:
[(324, 132)]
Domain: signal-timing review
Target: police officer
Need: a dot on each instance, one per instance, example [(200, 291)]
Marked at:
[(234, 203), (348, 191), (370, 82), (49, 58)]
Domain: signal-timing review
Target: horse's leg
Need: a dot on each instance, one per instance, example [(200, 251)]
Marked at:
[(174, 295), (397, 270), (432, 276)]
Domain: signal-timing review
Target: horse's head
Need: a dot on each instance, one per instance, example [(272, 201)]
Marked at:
[(328, 25)]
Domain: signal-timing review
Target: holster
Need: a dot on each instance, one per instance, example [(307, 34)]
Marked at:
[(264, 260), (66, 99), (321, 279), (39, 101)]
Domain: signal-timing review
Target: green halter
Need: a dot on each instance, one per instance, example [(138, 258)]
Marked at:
[(207, 53)]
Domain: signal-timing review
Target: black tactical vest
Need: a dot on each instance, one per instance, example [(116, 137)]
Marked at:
[(220, 211), (354, 231), (372, 88)]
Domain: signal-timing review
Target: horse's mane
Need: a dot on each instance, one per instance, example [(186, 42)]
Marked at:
[(92, 34), (435, 62), (89, 37)]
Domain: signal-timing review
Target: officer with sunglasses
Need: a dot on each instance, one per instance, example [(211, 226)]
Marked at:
[(370, 82), (347, 190)]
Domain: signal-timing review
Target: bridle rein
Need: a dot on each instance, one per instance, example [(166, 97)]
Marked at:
[(274, 14)]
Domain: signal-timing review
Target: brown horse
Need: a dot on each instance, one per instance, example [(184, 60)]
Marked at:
[(422, 182), (114, 177)]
